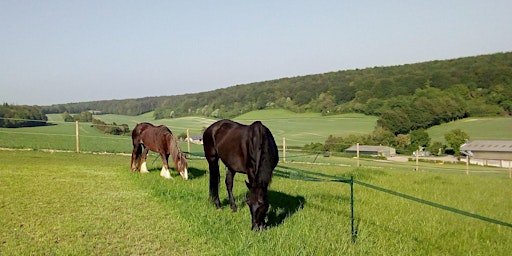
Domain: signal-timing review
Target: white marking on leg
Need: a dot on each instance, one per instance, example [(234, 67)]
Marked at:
[(165, 173), (143, 167)]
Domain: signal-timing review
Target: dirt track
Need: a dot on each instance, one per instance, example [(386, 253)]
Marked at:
[(404, 158)]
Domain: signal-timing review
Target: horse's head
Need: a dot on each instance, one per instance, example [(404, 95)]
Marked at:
[(182, 165), (258, 205)]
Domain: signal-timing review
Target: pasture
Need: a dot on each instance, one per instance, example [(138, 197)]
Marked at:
[(298, 129), (65, 203)]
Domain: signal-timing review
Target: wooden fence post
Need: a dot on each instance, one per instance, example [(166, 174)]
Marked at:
[(510, 169), (467, 164), (284, 150), (77, 137), (188, 141), (417, 159), (357, 154)]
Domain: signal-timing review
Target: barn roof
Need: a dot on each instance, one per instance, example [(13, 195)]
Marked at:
[(488, 146)]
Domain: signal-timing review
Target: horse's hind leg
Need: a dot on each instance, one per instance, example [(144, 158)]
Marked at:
[(230, 175), (165, 168), (136, 155), (144, 157)]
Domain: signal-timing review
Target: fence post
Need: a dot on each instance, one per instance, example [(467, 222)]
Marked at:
[(357, 154), (417, 159), (188, 141), (77, 137), (467, 164), (353, 232), (284, 149)]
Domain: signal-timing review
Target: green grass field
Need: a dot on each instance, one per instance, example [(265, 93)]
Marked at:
[(89, 204), (64, 203), (297, 128)]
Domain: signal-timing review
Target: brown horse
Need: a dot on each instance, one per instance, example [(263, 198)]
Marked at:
[(160, 139), (248, 149)]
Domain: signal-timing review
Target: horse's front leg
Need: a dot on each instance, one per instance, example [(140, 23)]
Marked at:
[(230, 175), (165, 166), (143, 159)]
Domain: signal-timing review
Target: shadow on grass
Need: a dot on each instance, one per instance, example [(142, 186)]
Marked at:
[(193, 173), (300, 174), (282, 206)]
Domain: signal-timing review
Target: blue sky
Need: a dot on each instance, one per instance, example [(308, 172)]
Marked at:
[(54, 52)]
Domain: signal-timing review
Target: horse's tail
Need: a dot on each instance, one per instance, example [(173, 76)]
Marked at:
[(137, 148)]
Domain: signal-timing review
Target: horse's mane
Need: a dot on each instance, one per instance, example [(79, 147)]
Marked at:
[(264, 165), (174, 149)]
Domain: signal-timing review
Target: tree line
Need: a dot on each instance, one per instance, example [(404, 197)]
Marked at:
[(13, 116), (405, 97)]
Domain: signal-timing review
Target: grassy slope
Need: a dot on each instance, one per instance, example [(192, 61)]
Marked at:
[(478, 128)]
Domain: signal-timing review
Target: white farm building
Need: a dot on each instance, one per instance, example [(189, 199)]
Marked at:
[(489, 152)]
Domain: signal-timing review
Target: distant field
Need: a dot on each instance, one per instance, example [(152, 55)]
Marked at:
[(478, 128), (298, 129), (303, 128)]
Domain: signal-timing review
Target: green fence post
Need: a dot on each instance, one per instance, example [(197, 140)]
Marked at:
[(353, 234)]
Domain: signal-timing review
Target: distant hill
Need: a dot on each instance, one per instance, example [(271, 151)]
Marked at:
[(404, 97)]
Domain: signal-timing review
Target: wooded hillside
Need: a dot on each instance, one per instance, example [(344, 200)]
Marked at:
[(405, 97)]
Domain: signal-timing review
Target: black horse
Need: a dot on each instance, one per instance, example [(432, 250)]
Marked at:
[(248, 149)]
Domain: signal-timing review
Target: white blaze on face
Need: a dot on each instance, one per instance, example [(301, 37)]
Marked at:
[(184, 174)]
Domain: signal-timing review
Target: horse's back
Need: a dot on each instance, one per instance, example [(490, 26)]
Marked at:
[(240, 146)]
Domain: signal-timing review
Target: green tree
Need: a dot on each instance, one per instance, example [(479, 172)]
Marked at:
[(455, 139), (67, 117), (395, 121), (437, 148), (402, 142), (419, 138), (381, 136)]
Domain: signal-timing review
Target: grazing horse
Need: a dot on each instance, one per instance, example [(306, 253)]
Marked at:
[(248, 149), (160, 139)]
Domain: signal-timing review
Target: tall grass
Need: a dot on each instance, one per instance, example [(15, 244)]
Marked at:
[(83, 204)]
